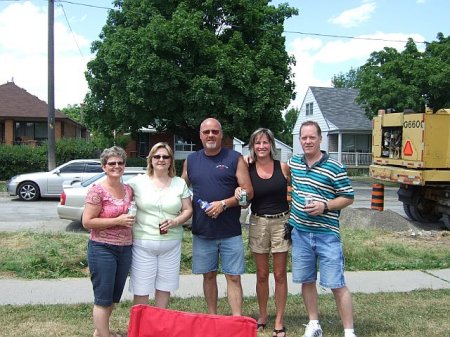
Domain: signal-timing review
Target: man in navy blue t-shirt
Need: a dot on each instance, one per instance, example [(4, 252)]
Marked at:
[(214, 173)]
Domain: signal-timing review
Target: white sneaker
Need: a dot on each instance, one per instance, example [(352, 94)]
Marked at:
[(352, 335), (313, 330)]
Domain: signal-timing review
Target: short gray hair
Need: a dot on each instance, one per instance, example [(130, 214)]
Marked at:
[(115, 151)]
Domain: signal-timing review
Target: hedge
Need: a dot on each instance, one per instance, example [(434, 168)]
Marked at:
[(18, 159)]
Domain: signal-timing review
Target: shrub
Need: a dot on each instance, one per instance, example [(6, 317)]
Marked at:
[(20, 159)]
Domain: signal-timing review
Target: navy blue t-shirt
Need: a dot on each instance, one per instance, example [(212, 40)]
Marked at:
[(213, 178)]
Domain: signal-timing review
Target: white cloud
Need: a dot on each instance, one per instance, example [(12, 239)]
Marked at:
[(24, 49), (337, 56), (354, 17)]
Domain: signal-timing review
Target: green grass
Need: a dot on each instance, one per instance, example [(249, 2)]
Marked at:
[(412, 314), (2, 186), (57, 255)]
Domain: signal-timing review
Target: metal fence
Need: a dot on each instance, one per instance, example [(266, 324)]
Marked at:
[(353, 158)]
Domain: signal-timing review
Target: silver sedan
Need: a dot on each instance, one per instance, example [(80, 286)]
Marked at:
[(71, 204), (32, 186)]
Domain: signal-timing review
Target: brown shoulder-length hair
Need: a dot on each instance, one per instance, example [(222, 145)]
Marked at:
[(255, 136), (172, 172)]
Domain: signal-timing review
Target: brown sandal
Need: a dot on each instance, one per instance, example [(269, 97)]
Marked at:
[(278, 331)]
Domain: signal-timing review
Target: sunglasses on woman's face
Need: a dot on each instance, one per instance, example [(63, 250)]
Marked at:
[(114, 163), (159, 157)]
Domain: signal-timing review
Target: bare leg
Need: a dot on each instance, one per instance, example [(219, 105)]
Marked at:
[(281, 287), (210, 291), (343, 299), (162, 298), (140, 299), (262, 284), (309, 293), (234, 293), (101, 320)]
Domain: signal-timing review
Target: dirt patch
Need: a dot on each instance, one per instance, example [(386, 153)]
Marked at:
[(361, 218)]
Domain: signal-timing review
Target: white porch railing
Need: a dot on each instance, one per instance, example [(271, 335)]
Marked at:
[(353, 158)]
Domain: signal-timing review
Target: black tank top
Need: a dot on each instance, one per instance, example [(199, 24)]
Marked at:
[(270, 195)]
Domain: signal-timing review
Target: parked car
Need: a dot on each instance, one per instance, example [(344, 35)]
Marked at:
[(32, 186), (71, 204)]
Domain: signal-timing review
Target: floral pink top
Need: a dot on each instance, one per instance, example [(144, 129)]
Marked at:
[(111, 208)]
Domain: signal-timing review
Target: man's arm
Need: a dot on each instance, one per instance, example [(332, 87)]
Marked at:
[(243, 177), (184, 175)]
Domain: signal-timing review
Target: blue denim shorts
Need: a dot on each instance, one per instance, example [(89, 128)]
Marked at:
[(109, 266), (206, 253), (310, 250)]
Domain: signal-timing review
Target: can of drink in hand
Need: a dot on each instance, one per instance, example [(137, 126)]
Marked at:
[(161, 231), (243, 198), (308, 199)]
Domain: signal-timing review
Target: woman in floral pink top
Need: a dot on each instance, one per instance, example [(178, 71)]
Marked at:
[(109, 247)]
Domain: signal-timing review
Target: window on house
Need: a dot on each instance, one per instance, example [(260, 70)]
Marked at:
[(356, 143), (183, 145), (309, 109), (31, 131)]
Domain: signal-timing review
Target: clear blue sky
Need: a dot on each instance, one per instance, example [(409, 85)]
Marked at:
[(316, 37)]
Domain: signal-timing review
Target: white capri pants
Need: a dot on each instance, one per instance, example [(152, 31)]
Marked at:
[(155, 265)]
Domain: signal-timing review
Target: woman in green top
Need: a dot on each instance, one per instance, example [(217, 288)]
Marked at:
[(163, 205)]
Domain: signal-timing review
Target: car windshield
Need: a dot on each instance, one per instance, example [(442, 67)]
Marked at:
[(125, 177), (92, 179)]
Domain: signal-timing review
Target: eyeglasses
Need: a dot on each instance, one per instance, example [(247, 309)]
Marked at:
[(159, 157), (213, 131), (114, 163)]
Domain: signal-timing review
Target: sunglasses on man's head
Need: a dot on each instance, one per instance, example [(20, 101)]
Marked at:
[(114, 163), (159, 157), (213, 131)]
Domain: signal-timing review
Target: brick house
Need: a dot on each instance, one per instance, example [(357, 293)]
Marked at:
[(24, 118)]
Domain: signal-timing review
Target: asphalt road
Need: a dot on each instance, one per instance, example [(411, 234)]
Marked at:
[(41, 215)]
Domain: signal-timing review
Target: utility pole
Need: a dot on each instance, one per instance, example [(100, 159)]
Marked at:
[(51, 87)]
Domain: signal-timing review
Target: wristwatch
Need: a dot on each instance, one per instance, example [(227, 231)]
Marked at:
[(325, 209), (224, 205)]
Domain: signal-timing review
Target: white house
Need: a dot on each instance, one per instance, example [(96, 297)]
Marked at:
[(346, 130)]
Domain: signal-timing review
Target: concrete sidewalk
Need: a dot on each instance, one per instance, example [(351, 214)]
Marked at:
[(79, 290)]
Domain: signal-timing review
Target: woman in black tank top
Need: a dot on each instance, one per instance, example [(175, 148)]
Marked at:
[(269, 212)]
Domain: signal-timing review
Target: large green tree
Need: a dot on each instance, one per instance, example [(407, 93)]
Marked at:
[(290, 118), (170, 64), (406, 80), (346, 80)]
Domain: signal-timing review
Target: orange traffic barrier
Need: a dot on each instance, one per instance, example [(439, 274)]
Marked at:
[(377, 197)]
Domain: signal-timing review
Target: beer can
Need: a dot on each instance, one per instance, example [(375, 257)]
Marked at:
[(243, 198), (308, 199)]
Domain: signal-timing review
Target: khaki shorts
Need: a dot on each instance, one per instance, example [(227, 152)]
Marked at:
[(267, 235)]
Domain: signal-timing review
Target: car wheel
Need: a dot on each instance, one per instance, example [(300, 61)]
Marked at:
[(28, 191)]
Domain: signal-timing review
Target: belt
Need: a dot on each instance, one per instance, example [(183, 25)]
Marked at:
[(272, 216)]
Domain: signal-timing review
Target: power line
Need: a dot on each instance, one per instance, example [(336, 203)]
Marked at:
[(83, 4), (285, 31), (349, 37), (71, 31)]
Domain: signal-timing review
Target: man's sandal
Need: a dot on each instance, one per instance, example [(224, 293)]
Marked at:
[(279, 331)]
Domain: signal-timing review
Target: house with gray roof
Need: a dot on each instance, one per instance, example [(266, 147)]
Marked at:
[(346, 130)]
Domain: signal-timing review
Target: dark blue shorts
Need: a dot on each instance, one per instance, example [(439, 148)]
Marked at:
[(109, 266)]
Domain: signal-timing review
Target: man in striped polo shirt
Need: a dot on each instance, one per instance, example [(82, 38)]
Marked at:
[(321, 188)]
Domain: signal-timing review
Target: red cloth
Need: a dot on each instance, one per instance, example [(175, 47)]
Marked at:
[(148, 321)]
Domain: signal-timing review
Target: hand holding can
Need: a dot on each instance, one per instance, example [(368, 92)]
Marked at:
[(162, 231)]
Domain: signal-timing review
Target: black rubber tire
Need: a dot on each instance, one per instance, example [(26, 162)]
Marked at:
[(424, 215), (407, 210), (28, 191)]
